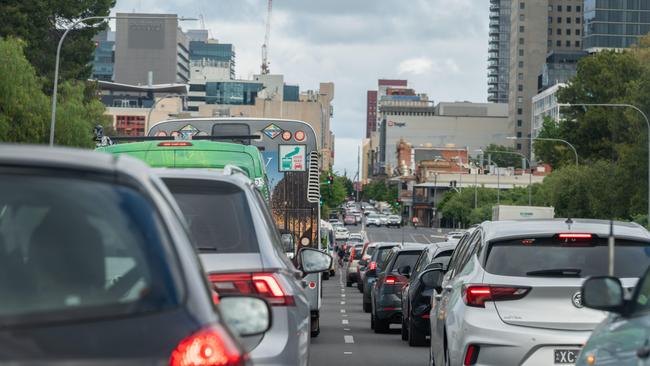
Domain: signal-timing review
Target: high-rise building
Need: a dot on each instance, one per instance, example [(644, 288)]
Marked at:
[(211, 53), (537, 29), (104, 60), (150, 51), (371, 112), (615, 24), (499, 51)]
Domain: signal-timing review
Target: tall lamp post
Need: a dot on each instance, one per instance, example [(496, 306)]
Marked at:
[(575, 152), (498, 178), (58, 56), (620, 105), (530, 174)]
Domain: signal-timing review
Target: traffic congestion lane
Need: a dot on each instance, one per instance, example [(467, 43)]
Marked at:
[(407, 234), (346, 337)]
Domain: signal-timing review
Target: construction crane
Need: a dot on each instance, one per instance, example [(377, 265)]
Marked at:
[(265, 46)]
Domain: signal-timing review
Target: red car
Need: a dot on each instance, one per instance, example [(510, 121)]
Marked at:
[(350, 220)]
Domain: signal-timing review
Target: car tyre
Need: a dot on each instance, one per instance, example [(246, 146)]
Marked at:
[(415, 337), (326, 276), (315, 326), (372, 320), (381, 326), (348, 284), (404, 331), (367, 307)]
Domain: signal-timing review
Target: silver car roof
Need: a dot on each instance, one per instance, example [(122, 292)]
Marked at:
[(203, 174), (504, 229)]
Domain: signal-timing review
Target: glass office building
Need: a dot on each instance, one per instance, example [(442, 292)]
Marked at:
[(223, 92), (213, 52), (615, 23), (104, 59), (499, 51)]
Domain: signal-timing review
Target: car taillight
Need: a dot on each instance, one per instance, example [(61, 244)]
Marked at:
[(471, 356), (265, 285), (212, 346), (477, 295), (372, 265), (390, 280)]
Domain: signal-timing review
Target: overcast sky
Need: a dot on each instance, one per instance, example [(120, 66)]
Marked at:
[(440, 46)]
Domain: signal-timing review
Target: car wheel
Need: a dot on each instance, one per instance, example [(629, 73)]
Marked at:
[(381, 326), (348, 284), (326, 276), (372, 320), (360, 286), (416, 337), (404, 330), (366, 307), (315, 326)]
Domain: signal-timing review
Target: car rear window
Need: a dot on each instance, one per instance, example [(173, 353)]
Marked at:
[(75, 248), (358, 250), (370, 250), (405, 259), (381, 255), (217, 213), (586, 258)]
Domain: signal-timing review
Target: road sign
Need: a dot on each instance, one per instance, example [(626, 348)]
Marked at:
[(292, 158)]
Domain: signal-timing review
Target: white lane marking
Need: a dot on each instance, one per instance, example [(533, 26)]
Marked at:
[(439, 236), (425, 238), (345, 321), (344, 315), (348, 339), (413, 238), (347, 353), (342, 295), (346, 329), (342, 302), (343, 310)]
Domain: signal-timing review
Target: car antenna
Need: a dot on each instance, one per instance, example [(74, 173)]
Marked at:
[(569, 222)]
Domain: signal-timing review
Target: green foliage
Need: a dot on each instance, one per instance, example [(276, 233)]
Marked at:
[(555, 153), (502, 160), (40, 24), (332, 195), (380, 190), (25, 109)]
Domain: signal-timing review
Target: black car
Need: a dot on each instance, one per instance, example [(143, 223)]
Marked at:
[(373, 267), (97, 268), (416, 297), (386, 294)]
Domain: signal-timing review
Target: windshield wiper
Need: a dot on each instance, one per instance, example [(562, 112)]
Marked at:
[(208, 249), (556, 272)]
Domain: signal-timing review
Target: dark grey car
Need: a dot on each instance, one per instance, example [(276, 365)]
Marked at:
[(373, 268)]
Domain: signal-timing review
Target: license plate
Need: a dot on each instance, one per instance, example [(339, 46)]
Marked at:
[(565, 356)]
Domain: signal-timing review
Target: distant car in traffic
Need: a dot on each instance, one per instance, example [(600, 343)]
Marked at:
[(97, 267), (350, 220), (373, 219), (454, 235), (351, 273), (383, 220), (362, 268), (341, 233), (512, 292), (386, 293), (394, 220), (242, 253), (416, 295), (373, 267)]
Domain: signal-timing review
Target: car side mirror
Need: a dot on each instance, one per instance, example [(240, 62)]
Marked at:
[(287, 242), (432, 278), (603, 293), (314, 261), (436, 265), (404, 270), (363, 262), (246, 315)]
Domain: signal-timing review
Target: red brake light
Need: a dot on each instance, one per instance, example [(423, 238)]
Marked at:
[(471, 356), (265, 285), (372, 265), (212, 346), (390, 280), (175, 143), (574, 236), (477, 295)]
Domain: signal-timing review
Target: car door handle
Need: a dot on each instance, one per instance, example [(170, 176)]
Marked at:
[(449, 288)]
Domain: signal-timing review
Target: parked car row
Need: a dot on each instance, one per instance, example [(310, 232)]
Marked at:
[(137, 265)]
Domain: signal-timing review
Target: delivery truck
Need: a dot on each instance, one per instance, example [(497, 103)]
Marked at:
[(504, 212)]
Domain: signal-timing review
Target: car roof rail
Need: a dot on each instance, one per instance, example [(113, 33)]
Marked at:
[(230, 169)]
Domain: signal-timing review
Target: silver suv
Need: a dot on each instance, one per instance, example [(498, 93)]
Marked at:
[(242, 252), (511, 294)]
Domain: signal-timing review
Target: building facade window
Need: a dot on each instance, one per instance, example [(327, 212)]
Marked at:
[(558, 32), (520, 87), (521, 52), (577, 43), (558, 43), (550, 20), (522, 5), (577, 32), (578, 8), (568, 20), (522, 29), (568, 8), (568, 43), (568, 32), (518, 134), (520, 111), (559, 19), (520, 76), (520, 123), (522, 17), (521, 64), (559, 8), (578, 20), (518, 146), (521, 41), (549, 43)]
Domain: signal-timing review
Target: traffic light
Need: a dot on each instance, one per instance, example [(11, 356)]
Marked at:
[(330, 179), (398, 202)]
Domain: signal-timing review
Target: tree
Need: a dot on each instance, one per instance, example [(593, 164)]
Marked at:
[(555, 153), (502, 160), (40, 24), (332, 195), (25, 109)]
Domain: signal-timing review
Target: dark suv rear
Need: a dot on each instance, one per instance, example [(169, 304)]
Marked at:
[(96, 266), (386, 294), (373, 267)]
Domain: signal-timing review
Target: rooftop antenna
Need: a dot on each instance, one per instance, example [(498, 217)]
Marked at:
[(267, 35)]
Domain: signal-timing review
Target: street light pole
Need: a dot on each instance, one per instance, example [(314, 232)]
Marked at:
[(621, 105), (58, 56), (575, 152), (530, 173)]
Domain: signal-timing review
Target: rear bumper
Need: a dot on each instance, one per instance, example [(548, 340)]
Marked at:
[(389, 307), (504, 344), (392, 316), (287, 342), (352, 277)]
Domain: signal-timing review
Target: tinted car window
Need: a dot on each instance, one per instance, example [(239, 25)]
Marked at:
[(217, 213), (405, 259), (358, 250), (72, 248), (381, 255), (513, 258), (370, 250), (642, 301)]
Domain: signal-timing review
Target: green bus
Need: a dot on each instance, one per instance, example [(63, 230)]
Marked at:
[(197, 154)]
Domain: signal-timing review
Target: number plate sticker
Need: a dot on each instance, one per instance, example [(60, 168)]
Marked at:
[(565, 356)]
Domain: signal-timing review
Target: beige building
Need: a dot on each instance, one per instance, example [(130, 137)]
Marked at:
[(538, 27), (313, 107)]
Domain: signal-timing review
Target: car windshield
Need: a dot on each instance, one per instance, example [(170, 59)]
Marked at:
[(373, 216), (217, 213), (72, 248), (405, 259), (548, 257)]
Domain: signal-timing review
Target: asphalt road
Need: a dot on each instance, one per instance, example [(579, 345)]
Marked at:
[(346, 337)]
